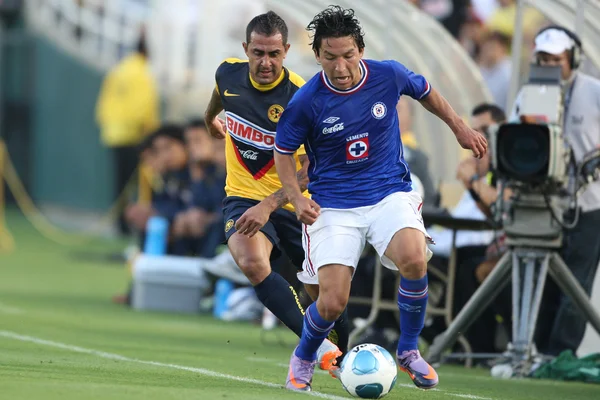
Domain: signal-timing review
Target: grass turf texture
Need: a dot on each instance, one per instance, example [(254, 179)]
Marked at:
[(55, 311)]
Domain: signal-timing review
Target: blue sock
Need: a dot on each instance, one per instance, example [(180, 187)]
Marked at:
[(412, 302), (315, 330)]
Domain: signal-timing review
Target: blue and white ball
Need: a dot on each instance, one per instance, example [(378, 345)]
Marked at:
[(368, 371)]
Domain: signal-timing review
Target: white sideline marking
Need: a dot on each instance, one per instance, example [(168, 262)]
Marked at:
[(283, 365), (111, 356), (6, 309), (405, 385)]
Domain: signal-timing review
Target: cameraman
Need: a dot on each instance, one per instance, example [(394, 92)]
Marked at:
[(557, 46), (476, 175)]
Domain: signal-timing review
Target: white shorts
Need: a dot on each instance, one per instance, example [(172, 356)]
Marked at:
[(339, 235)]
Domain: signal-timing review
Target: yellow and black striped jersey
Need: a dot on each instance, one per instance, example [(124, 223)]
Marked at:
[(252, 111)]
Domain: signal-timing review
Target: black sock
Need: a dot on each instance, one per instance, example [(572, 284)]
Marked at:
[(281, 299), (340, 332)]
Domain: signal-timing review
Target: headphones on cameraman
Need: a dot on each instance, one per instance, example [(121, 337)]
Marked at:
[(576, 52)]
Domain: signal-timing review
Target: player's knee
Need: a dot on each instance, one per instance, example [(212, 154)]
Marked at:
[(255, 268), (412, 263), (333, 305)]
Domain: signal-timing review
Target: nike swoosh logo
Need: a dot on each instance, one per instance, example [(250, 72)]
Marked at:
[(296, 384), (432, 374), (227, 94)]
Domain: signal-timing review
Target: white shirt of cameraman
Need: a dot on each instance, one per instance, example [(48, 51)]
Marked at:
[(582, 105)]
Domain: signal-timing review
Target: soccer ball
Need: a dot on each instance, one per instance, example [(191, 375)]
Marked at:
[(368, 371)]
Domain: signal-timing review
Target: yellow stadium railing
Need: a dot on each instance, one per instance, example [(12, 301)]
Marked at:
[(40, 222), (7, 243)]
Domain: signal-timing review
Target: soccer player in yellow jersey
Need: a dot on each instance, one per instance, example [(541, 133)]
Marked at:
[(259, 220)]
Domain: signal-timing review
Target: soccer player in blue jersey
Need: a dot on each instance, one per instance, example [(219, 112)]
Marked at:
[(360, 185)]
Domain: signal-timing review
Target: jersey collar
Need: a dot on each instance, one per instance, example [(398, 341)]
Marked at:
[(264, 88), (329, 85)]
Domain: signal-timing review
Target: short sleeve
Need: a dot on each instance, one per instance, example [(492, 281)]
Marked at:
[(410, 83), (293, 127), (224, 70), (219, 73)]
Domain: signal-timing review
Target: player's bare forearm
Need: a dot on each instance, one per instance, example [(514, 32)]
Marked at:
[(302, 174), (286, 169), (436, 104), (280, 198), (214, 106)]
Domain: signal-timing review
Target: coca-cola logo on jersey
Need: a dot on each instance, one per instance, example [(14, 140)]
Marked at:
[(335, 128), (250, 133), (249, 154)]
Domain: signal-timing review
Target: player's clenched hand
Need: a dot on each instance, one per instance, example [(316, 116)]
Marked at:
[(472, 140), (307, 210), (252, 220), (216, 128)]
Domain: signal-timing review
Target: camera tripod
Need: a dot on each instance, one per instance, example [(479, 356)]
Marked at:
[(533, 239)]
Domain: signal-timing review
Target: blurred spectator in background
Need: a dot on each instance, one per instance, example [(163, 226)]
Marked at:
[(127, 110), (495, 66), (150, 171), (483, 9), (470, 33), (503, 20), (471, 205), (172, 155), (199, 224), (182, 178), (476, 175), (450, 13), (150, 182)]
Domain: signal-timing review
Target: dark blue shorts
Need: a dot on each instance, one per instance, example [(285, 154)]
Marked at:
[(283, 228)]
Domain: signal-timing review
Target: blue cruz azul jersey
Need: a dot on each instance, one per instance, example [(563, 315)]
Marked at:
[(352, 136)]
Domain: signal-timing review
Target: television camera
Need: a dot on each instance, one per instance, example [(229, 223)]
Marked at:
[(531, 156)]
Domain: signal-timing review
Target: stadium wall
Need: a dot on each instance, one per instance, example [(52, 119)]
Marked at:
[(71, 168)]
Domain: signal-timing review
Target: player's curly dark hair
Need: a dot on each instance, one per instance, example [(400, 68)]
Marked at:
[(335, 22), (267, 24)]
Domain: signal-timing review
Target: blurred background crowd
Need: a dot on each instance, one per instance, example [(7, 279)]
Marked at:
[(102, 103)]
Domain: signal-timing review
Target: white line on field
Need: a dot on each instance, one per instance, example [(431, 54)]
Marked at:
[(6, 309), (111, 356), (406, 385), (283, 365)]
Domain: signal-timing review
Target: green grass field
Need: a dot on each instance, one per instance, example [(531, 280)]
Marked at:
[(62, 338)]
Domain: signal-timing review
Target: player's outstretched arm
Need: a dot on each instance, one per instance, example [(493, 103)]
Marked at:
[(214, 124), (256, 217), (307, 210), (466, 137)]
